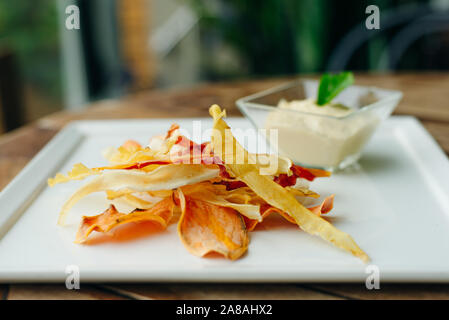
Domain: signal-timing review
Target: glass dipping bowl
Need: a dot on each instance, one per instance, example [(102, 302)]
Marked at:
[(316, 140)]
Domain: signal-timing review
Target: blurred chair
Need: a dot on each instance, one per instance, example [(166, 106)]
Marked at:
[(11, 92), (419, 20), (428, 24)]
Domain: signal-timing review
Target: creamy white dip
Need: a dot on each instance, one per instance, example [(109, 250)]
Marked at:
[(321, 136)]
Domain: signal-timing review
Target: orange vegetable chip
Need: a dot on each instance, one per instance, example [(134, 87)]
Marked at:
[(324, 207), (131, 145), (160, 213), (205, 227)]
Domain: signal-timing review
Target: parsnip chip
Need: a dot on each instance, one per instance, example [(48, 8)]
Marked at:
[(283, 164), (266, 211), (324, 207), (272, 192), (79, 172), (124, 153), (205, 227), (209, 193), (136, 201), (112, 194), (302, 192), (131, 151), (160, 213), (165, 177)]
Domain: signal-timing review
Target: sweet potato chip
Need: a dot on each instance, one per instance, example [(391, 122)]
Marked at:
[(309, 173), (132, 145), (324, 207), (160, 213), (273, 193), (205, 228)]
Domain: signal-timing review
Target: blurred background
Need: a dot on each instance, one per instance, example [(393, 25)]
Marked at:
[(126, 46)]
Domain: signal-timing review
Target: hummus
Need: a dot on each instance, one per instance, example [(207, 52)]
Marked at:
[(320, 136)]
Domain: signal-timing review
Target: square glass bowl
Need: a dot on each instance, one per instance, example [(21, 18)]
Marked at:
[(317, 140)]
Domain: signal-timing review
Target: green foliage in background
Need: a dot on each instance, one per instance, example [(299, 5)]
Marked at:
[(276, 37), (30, 30)]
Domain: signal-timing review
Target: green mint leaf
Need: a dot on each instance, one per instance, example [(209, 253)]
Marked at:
[(331, 85)]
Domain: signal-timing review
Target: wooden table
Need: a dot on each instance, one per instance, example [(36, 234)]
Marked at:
[(425, 96)]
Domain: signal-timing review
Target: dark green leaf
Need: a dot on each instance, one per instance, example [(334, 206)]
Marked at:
[(332, 85)]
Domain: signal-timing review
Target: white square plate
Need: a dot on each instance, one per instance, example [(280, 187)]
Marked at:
[(395, 204)]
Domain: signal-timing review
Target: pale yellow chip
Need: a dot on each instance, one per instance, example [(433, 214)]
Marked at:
[(166, 177), (209, 193)]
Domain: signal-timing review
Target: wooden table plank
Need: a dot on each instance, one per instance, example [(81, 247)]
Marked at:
[(424, 94), (18, 148), (389, 291), (222, 291), (59, 292), (440, 131), (424, 97)]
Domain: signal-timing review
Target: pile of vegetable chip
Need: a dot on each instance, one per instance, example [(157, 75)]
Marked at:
[(215, 199)]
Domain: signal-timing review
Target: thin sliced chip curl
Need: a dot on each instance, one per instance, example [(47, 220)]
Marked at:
[(132, 145), (112, 194), (163, 178), (324, 207), (136, 202), (124, 153), (273, 193), (80, 171), (302, 192), (132, 152), (283, 164), (141, 200), (161, 213), (209, 193), (309, 173), (205, 228)]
